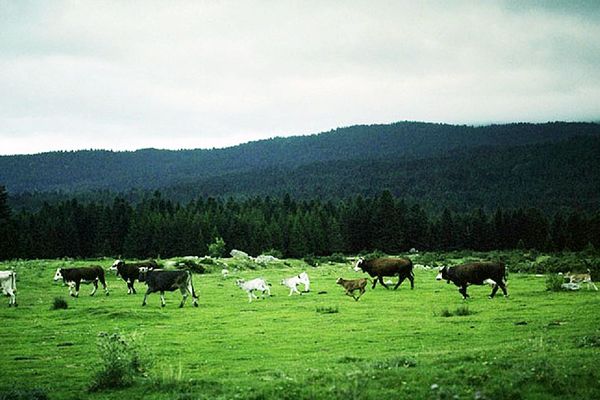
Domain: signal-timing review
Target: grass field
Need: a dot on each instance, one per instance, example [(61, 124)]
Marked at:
[(390, 344)]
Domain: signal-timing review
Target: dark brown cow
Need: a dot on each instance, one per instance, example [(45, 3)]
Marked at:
[(476, 273), (388, 266), (131, 271)]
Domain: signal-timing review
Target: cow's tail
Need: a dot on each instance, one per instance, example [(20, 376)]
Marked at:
[(13, 278)]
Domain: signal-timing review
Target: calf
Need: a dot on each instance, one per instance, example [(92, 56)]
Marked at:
[(294, 281), (389, 266), (76, 276), (257, 284), (8, 280), (168, 281), (131, 271), (477, 273), (353, 284), (581, 278)]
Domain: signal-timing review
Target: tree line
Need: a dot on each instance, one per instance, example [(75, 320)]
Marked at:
[(158, 227)]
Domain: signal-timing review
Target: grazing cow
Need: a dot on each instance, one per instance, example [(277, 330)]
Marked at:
[(168, 281), (294, 281), (581, 278), (8, 280), (76, 276), (131, 271), (477, 273), (257, 284), (389, 266), (353, 284)]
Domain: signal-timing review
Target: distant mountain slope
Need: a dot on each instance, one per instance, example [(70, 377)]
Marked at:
[(377, 144), (547, 176)]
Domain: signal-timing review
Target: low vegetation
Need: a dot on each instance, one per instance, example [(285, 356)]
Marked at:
[(538, 344)]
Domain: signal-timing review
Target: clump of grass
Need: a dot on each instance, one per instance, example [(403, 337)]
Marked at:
[(120, 362), (395, 363), (349, 359), (24, 394), (327, 310), (462, 311), (554, 283), (588, 341), (59, 304)]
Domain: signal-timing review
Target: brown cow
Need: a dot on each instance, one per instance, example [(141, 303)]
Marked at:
[(389, 266), (353, 284)]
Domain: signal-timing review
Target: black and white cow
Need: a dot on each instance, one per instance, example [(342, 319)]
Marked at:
[(76, 276), (476, 273), (168, 281), (8, 280), (131, 271)]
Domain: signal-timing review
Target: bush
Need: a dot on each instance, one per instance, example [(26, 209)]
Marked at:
[(217, 248), (273, 252), (327, 310), (119, 362), (59, 304), (462, 311), (554, 283)]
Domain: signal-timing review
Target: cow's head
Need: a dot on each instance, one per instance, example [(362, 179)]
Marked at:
[(442, 274), (116, 264), (58, 275), (358, 265), (240, 282), (143, 274), (339, 281)]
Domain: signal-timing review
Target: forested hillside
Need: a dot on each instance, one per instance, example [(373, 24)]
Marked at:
[(416, 159)]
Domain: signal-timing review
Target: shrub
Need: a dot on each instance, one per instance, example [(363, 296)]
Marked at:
[(311, 260), (273, 252), (217, 248), (119, 362), (462, 311), (554, 282), (445, 313), (59, 304)]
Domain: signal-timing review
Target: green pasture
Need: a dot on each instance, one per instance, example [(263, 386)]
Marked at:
[(389, 345)]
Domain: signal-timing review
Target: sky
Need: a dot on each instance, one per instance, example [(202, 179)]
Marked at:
[(125, 75)]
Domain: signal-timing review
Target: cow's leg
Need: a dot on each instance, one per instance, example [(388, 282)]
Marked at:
[(104, 286), (77, 288), (162, 298), (193, 292), (12, 300), (184, 294), (401, 279), (374, 283), (291, 291), (71, 286), (132, 288), (503, 287), (128, 281), (268, 290), (494, 290), (380, 279), (594, 286), (411, 278), (95, 283), (146, 295), (463, 291)]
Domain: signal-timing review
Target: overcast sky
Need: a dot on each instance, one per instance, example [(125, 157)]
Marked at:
[(125, 75)]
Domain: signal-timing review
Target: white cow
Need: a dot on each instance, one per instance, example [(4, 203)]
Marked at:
[(8, 280), (294, 281), (257, 284)]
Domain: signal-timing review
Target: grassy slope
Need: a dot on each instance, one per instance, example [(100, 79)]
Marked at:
[(283, 348)]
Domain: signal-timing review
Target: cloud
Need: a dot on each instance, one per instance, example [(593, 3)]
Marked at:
[(127, 75)]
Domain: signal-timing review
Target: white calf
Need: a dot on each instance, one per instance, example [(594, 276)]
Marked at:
[(581, 279), (8, 280), (257, 284), (294, 281)]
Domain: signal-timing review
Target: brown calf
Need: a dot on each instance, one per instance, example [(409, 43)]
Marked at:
[(353, 284)]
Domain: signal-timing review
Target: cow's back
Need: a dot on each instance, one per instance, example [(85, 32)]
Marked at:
[(478, 272), (390, 265)]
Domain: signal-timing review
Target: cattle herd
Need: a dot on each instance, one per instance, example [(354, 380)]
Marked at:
[(160, 280)]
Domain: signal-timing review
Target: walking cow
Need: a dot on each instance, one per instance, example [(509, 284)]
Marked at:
[(168, 281), (476, 273), (131, 271), (390, 266), (8, 280), (76, 276)]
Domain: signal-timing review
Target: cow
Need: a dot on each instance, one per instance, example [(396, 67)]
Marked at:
[(387, 266), (8, 280), (256, 284), (76, 276), (581, 278), (353, 284), (131, 271), (162, 281), (476, 273), (294, 281)]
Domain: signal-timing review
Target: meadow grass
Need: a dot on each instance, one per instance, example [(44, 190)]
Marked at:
[(391, 344)]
